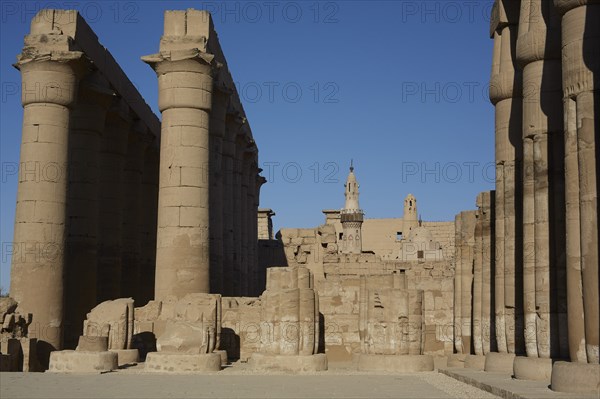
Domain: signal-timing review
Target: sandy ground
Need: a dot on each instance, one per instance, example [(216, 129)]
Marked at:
[(238, 382)]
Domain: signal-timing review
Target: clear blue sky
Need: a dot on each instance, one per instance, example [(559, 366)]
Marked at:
[(399, 86)]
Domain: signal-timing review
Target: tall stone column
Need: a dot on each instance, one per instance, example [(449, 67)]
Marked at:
[(131, 186), (502, 145), (487, 313), (185, 79), (148, 218), (529, 249), (505, 94), (253, 223), (580, 71), (538, 52), (49, 90), (244, 221), (111, 200), (81, 246), (467, 259), (478, 279), (458, 283), (260, 273), (229, 278), (238, 213), (217, 181)]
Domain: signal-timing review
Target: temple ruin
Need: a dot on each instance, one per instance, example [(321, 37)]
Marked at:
[(149, 246)]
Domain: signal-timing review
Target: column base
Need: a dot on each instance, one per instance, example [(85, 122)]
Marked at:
[(440, 362), (532, 368), (575, 377), (173, 362), (457, 360), (499, 362), (223, 354), (475, 362), (127, 356), (291, 363), (6, 363), (396, 363), (70, 361)]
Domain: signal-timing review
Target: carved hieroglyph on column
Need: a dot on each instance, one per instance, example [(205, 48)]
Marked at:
[(506, 95), (538, 53), (580, 72)]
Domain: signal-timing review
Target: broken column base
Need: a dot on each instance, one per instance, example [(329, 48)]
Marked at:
[(173, 362), (127, 356), (575, 377), (70, 361), (395, 363), (457, 360), (292, 363), (532, 368), (475, 362), (5, 362), (223, 354), (499, 362)]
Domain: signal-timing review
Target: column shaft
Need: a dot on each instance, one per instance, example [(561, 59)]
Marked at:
[(182, 253), (217, 133), (81, 246), (37, 271), (111, 200)]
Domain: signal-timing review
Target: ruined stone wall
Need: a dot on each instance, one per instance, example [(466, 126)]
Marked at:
[(337, 279)]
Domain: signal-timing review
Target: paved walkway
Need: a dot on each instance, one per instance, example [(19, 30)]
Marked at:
[(229, 384)]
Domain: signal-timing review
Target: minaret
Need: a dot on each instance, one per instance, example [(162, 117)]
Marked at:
[(410, 219), (351, 217)]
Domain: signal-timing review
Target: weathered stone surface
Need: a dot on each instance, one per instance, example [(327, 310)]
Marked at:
[(499, 362), (295, 364), (90, 343), (112, 319), (575, 377), (82, 362), (186, 337), (400, 364), (166, 362), (531, 368)]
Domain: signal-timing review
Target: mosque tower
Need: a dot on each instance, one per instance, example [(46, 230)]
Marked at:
[(410, 219), (351, 217)]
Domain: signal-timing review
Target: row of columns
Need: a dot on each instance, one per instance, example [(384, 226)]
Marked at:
[(545, 229), (208, 182), (80, 222)]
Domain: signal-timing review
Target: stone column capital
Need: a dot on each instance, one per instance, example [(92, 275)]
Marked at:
[(179, 60), (50, 77)]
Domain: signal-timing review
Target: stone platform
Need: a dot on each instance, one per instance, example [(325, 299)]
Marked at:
[(396, 363), (70, 361), (166, 362), (292, 363), (504, 386)]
